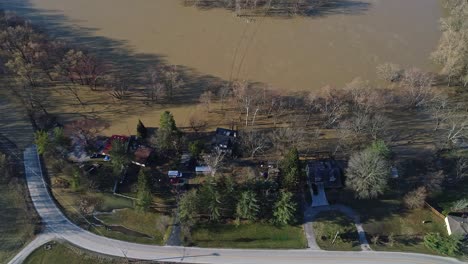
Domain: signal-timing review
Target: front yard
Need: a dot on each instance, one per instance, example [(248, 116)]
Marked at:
[(335, 231), (254, 235)]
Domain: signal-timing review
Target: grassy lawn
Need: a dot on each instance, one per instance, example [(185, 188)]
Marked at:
[(256, 235), (70, 200), (151, 224), (398, 228), (60, 253), (407, 230), (17, 221), (326, 226)]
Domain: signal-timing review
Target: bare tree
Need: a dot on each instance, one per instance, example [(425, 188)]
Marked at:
[(389, 72), (206, 100), (197, 122), (214, 160), (433, 181), (118, 86), (416, 198), (254, 141), (287, 137), (172, 79), (461, 167), (330, 102), (367, 174), (155, 89), (417, 87), (452, 51), (80, 67), (246, 97), (365, 98), (224, 91)]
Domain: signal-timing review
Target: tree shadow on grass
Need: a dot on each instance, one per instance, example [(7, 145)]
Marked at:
[(132, 65)]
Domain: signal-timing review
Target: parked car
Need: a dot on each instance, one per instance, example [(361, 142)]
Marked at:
[(177, 181), (97, 156)]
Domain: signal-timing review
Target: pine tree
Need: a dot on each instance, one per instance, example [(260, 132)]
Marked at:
[(168, 133), (42, 141), (142, 132), (247, 206), (284, 209), (144, 197), (292, 170)]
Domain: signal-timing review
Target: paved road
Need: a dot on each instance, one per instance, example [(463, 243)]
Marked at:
[(57, 225)]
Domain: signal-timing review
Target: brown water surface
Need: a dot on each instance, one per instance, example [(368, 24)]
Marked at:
[(293, 54)]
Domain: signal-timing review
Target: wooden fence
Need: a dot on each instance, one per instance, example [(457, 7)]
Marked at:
[(434, 210)]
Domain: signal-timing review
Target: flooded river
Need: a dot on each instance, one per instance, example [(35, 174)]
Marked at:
[(301, 53)]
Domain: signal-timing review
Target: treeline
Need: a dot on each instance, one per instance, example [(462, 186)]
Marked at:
[(452, 51), (222, 199), (263, 7), (37, 62)]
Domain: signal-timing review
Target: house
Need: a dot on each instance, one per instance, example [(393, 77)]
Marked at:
[(457, 224), (326, 172), (141, 155), (225, 139), (108, 146)]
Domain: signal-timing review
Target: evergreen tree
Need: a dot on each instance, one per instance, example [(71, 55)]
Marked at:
[(188, 207), (284, 209), (144, 197), (119, 157), (168, 134), (446, 245), (75, 182), (142, 132), (292, 170), (247, 206), (42, 141)]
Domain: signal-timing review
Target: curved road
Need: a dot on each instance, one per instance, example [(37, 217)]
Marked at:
[(57, 226)]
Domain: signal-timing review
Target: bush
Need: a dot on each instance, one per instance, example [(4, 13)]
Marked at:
[(416, 198), (446, 245)]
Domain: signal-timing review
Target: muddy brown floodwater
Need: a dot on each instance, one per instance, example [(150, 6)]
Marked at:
[(302, 53)]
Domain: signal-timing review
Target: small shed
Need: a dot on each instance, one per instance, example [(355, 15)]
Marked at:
[(203, 170)]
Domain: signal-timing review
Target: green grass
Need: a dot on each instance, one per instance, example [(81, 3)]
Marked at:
[(407, 229), (326, 226), (255, 235), (151, 224), (70, 200), (17, 221), (65, 254), (387, 216)]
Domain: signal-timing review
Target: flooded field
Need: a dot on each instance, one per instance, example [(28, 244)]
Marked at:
[(301, 53)]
